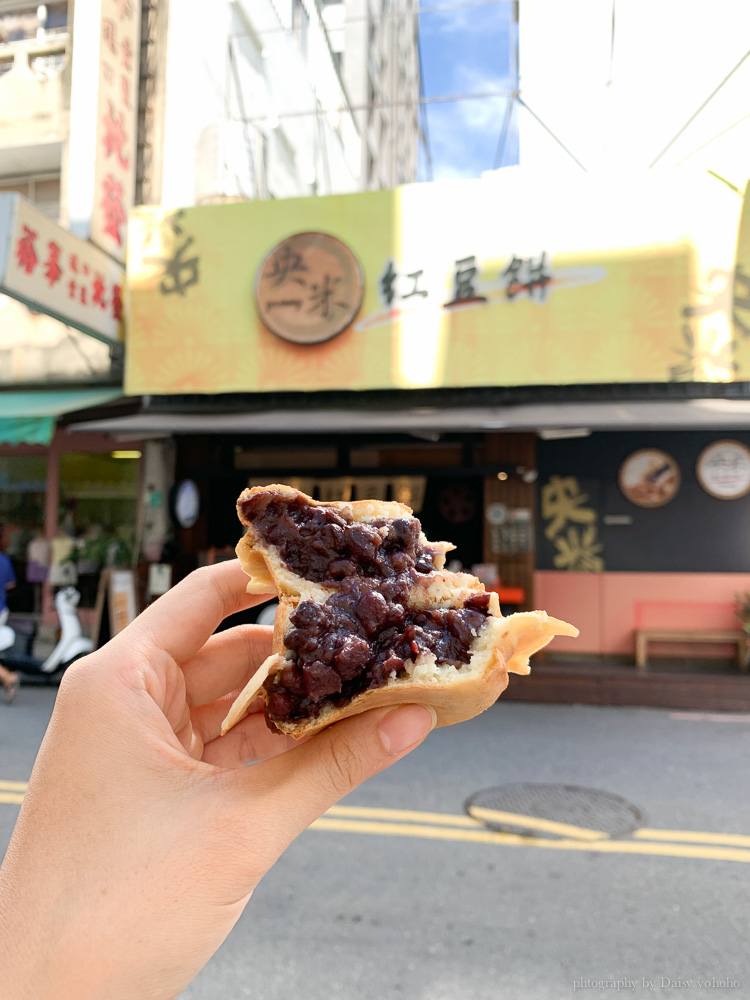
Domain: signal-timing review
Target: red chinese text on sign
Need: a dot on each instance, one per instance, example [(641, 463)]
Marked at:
[(52, 269), (114, 138), (25, 252), (114, 213)]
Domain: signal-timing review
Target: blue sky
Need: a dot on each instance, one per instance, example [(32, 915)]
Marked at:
[(465, 50)]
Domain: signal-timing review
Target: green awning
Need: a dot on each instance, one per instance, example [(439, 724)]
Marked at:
[(30, 417)]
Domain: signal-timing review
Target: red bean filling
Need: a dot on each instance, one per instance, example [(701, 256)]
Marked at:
[(358, 639), (327, 545)]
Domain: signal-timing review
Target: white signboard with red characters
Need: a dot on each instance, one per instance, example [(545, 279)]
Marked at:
[(104, 115), (58, 273)]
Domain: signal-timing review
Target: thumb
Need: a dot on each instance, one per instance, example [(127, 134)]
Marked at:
[(298, 786)]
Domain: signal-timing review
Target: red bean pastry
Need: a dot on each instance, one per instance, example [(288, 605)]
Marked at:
[(369, 616)]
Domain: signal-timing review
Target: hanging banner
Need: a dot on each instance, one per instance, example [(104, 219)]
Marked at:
[(500, 281), (56, 273), (103, 121)]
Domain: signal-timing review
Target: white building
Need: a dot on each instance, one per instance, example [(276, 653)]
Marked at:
[(376, 44), (276, 99)]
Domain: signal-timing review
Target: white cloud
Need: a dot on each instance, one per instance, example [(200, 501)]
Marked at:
[(464, 136)]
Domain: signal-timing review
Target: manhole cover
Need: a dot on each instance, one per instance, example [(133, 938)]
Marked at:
[(554, 811)]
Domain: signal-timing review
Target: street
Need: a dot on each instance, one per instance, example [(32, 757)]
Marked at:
[(376, 903)]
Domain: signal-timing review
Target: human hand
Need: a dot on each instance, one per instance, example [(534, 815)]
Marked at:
[(143, 835)]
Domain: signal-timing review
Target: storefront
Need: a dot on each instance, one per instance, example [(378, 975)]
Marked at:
[(449, 483), (466, 343), (67, 503)]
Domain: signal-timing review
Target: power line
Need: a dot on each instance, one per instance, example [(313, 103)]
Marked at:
[(551, 133), (717, 136), (424, 127), (507, 118), (510, 104), (695, 115), (378, 105)]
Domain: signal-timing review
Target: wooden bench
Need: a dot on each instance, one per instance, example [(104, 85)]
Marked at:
[(645, 635)]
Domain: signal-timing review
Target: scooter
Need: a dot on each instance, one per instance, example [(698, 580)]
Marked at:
[(16, 643)]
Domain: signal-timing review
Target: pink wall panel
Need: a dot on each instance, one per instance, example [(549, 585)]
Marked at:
[(576, 598), (608, 607)]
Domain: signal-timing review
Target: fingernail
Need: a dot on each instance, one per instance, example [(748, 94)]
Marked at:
[(403, 727)]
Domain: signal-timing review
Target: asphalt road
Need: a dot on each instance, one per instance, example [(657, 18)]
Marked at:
[(376, 904)]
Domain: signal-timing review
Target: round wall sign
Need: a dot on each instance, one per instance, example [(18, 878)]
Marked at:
[(496, 513), (185, 503), (649, 477), (309, 288), (723, 469)]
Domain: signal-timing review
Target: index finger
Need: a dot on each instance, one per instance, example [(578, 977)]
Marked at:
[(181, 621)]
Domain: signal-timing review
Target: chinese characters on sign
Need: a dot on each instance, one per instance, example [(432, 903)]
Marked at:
[(309, 288), (396, 287), (25, 251), (530, 276), (178, 270), (116, 124), (463, 283), (527, 275), (55, 271), (578, 547)]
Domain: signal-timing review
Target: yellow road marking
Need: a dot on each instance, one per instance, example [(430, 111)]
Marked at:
[(445, 819), (14, 786), (704, 852), (694, 837), (447, 826), (407, 815), (13, 797), (536, 823)]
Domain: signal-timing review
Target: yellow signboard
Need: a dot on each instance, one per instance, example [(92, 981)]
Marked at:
[(741, 288), (505, 281)]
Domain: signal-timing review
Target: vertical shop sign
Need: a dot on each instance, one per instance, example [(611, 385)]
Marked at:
[(103, 140)]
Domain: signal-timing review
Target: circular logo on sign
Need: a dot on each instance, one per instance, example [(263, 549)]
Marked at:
[(186, 503), (457, 503), (309, 288), (496, 513), (649, 477), (723, 469)]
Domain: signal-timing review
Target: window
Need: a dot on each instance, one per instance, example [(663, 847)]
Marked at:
[(42, 189), (23, 22)]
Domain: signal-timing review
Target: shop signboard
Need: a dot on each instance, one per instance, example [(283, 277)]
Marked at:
[(649, 477), (55, 272), (723, 469), (104, 114), (741, 284), (500, 281)]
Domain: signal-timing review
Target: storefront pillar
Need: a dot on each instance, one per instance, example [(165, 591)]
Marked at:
[(51, 508), (515, 492)]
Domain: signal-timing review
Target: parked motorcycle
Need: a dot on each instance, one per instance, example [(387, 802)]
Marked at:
[(16, 641)]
